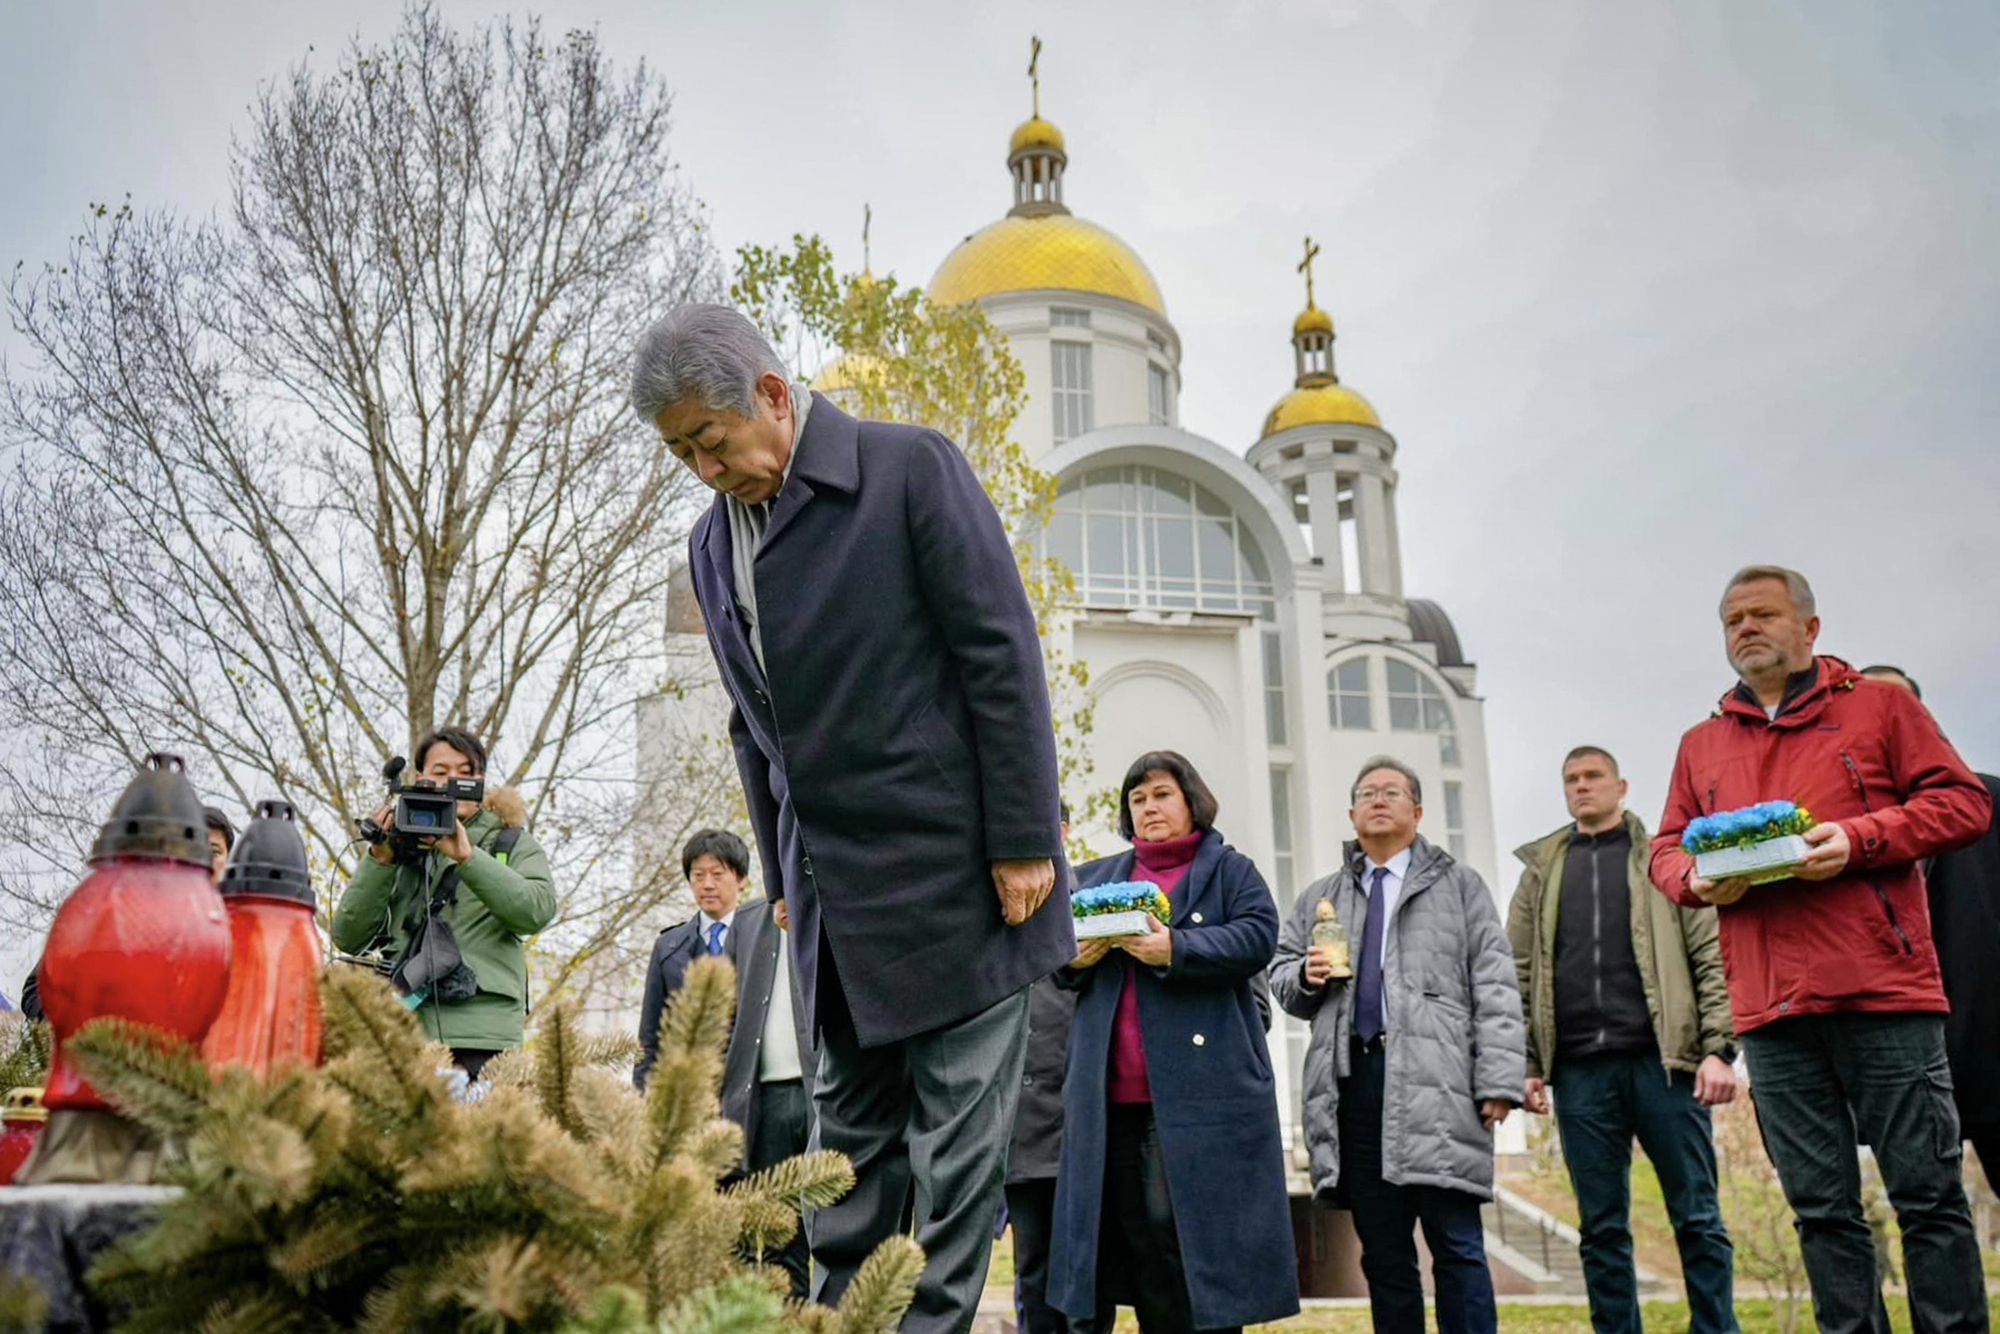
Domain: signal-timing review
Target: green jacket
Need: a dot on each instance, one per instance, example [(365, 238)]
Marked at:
[(1680, 960), (498, 905)]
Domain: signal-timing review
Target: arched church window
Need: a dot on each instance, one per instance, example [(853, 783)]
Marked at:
[(1417, 705), (1349, 703), (1135, 536)]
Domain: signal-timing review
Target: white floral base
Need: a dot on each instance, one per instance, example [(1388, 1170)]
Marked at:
[(1111, 924), (1773, 859)]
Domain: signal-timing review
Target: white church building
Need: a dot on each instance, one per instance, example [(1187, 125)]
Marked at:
[(1241, 601)]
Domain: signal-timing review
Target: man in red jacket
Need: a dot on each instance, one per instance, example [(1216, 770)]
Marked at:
[(1832, 974)]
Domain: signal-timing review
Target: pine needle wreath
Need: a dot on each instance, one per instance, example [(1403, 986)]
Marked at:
[(362, 1197)]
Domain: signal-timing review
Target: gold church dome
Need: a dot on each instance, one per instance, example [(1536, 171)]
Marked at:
[(1320, 405), (1312, 320), (1034, 132), (848, 371), (1053, 250), (1040, 245)]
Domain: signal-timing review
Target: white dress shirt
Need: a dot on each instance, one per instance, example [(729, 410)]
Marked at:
[(1392, 889), (778, 1054)]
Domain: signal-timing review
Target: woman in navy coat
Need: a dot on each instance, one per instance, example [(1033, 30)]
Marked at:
[(1171, 1197)]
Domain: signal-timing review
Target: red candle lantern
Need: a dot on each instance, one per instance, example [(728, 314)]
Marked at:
[(21, 1121), (270, 1018), (144, 936)]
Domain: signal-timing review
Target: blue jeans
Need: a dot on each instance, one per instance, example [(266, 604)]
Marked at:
[(1602, 1103), (1387, 1215), (1825, 1084)]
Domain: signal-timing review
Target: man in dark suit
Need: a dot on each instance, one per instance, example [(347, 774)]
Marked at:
[(1037, 1153), (767, 1069), (891, 725), (1963, 891)]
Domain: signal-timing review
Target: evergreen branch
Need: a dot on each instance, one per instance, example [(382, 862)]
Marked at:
[(883, 1288), (155, 1079), (742, 1304), (379, 1056), (698, 1017), (811, 1180), (609, 1051), (24, 1306), (555, 1068), (268, 1162), (496, 1278), (254, 1315), (680, 1098), (29, 1047), (396, 1304), (614, 1310), (718, 1147), (614, 1117), (325, 1241)]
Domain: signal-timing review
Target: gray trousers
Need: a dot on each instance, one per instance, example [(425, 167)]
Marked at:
[(926, 1122)]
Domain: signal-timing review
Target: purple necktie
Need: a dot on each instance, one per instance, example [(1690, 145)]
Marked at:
[(1368, 982)]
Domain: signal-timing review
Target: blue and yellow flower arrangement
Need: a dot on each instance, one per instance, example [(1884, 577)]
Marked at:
[(1118, 909), (1760, 843), (1746, 825)]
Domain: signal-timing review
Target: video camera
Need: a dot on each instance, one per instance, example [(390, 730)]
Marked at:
[(426, 810)]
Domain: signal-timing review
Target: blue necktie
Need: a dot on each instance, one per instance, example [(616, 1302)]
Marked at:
[(1368, 982), (715, 938)]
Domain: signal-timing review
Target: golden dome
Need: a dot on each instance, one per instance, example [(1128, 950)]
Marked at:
[(1054, 250), (846, 371), (1312, 320), (1035, 132), (1320, 405)]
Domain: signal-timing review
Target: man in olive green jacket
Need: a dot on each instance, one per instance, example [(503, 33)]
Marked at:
[(503, 895), (1628, 1023)]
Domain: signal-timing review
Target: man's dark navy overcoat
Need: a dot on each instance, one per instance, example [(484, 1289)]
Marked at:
[(901, 741)]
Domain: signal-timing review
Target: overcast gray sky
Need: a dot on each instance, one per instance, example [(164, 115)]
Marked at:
[(1644, 291)]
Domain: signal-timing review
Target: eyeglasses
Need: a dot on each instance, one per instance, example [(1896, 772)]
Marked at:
[(1364, 795)]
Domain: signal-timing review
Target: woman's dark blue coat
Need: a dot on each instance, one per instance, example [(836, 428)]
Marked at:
[(1214, 1105)]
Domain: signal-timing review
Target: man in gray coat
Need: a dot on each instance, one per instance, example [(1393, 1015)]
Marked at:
[(1417, 1052)]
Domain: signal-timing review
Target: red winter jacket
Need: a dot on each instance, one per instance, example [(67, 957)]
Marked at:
[(1869, 757)]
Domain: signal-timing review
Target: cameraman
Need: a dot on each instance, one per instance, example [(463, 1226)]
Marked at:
[(487, 883)]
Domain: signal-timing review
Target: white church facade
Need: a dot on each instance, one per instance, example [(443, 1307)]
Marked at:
[(1241, 602)]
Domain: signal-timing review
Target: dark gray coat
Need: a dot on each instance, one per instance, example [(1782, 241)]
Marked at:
[(1214, 1101), (902, 741), (1455, 1036), (753, 944), (1038, 1117)]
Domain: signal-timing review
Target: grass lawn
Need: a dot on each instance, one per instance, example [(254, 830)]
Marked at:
[(1652, 1234), (1757, 1317)]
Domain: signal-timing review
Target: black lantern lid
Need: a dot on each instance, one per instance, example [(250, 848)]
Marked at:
[(270, 858), (158, 815)]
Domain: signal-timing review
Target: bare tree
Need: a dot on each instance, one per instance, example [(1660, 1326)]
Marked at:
[(291, 486)]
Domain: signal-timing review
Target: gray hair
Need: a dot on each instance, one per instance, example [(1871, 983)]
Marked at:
[(701, 351), (1390, 762), (1794, 582)]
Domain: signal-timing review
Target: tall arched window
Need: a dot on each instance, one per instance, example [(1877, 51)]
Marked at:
[(1416, 705), (1144, 537)]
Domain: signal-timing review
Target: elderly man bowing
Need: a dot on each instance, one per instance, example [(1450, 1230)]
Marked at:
[(892, 728)]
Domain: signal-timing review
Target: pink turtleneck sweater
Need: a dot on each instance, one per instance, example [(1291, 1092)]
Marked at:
[(1164, 864)]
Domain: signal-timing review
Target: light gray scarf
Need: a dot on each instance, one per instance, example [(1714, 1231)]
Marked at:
[(747, 524)]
